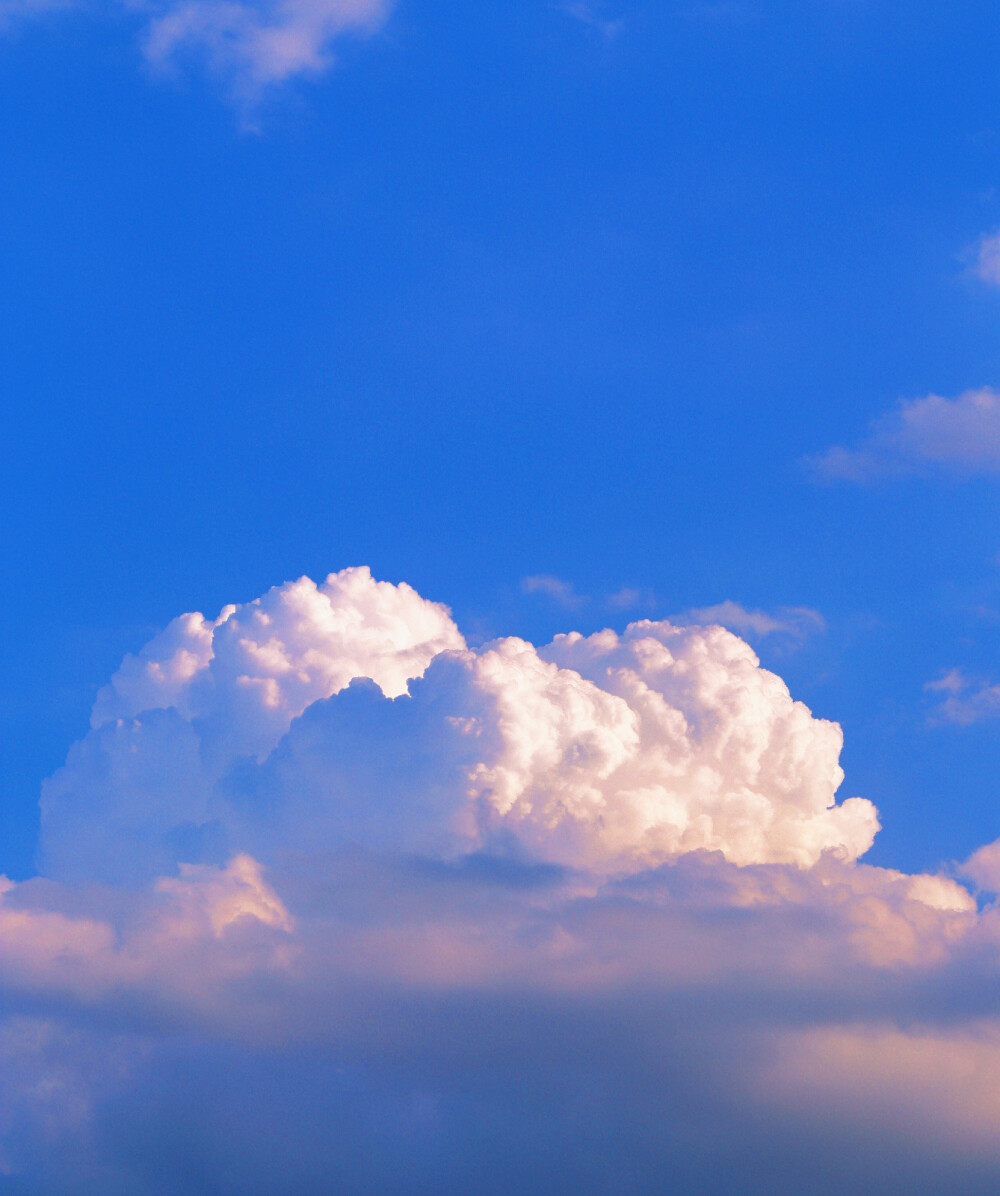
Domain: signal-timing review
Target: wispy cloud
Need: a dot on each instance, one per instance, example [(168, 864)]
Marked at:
[(592, 14), (964, 701), (631, 598), (985, 259), (254, 45), (959, 436), (796, 622), (562, 593), (250, 46)]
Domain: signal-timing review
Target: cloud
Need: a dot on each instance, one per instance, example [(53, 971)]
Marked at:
[(796, 622), (330, 899), (564, 594), (206, 699), (965, 701), (257, 45), (465, 1027), (986, 259), (252, 670), (250, 45), (983, 867), (591, 14), (610, 752), (561, 592), (959, 436), (630, 597)]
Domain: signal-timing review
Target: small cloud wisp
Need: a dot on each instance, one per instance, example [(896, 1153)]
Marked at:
[(963, 701), (958, 436), (251, 46), (795, 622), (562, 593), (986, 259)]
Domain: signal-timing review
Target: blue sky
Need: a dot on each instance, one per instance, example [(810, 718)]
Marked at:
[(565, 314)]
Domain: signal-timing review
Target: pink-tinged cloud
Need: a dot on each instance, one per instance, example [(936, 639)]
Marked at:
[(959, 436), (333, 902), (610, 752), (795, 622), (251, 46), (560, 592), (963, 700), (255, 45), (986, 259)]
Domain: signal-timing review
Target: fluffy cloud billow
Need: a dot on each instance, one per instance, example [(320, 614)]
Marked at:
[(615, 753), (330, 901)]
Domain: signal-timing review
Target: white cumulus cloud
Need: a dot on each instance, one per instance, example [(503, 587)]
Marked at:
[(206, 697), (610, 752)]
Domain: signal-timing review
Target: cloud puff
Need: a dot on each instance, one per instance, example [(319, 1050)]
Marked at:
[(258, 44), (248, 673), (331, 900), (959, 435), (564, 594), (152, 783), (561, 592), (630, 597), (251, 45), (964, 701), (986, 259)]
